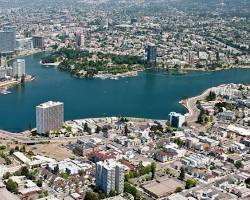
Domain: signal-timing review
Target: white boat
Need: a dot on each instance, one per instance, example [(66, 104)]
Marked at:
[(5, 91)]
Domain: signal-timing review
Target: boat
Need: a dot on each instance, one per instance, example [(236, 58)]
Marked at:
[(5, 92)]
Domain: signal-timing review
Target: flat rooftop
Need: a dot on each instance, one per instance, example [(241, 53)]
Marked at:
[(162, 188), (49, 104)]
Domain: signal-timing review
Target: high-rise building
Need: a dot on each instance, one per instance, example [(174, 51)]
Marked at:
[(3, 72), (49, 116), (151, 54), (19, 68), (176, 119), (38, 42), (7, 39), (80, 39), (110, 176)]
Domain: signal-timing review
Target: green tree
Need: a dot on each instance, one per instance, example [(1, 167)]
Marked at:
[(178, 189), (131, 190), (182, 174), (81, 172), (179, 142), (98, 129), (190, 183), (153, 169), (2, 147), (7, 175), (39, 182), (112, 193), (24, 171), (91, 196), (11, 186), (238, 164), (211, 96), (56, 170)]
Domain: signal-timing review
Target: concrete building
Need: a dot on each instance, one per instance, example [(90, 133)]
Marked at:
[(38, 42), (79, 39), (176, 119), (19, 68), (7, 39), (151, 54), (110, 176), (49, 116)]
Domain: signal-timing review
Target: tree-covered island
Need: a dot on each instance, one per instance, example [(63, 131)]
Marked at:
[(84, 64)]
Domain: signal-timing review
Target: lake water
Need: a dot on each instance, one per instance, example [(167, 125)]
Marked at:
[(149, 95)]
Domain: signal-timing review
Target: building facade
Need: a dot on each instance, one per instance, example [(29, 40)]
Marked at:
[(110, 176), (79, 39), (38, 42), (19, 68), (176, 119), (7, 39), (49, 116), (151, 54)]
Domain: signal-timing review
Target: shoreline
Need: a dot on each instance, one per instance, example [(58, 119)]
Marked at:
[(5, 85), (190, 105)]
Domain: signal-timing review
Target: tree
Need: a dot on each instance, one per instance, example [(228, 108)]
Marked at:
[(247, 181), (7, 175), (81, 172), (17, 148), (178, 189), (112, 193), (39, 182), (153, 169), (131, 190), (23, 149), (98, 129), (86, 128), (11, 186), (182, 174), (211, 96), (23, 78), (190, 183), (179, 142), (24, 171), (238, 164), (91, 196), (126, 131), (56, 170)]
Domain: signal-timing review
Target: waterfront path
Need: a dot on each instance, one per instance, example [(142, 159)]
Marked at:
[(193, 111)]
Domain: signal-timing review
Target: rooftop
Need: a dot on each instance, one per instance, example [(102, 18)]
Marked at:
[(49, 104)]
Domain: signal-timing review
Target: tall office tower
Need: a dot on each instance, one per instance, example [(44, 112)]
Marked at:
[(3, 72), (80, 39), (49, 116), (19, 68), (176, 119), (7, 39), (110, 176), (38, 42), (151, 54)]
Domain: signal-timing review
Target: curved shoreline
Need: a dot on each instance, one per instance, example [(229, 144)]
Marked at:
[(190, 105)]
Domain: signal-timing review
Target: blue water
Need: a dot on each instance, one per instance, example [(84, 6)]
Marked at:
[(149, 95)]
